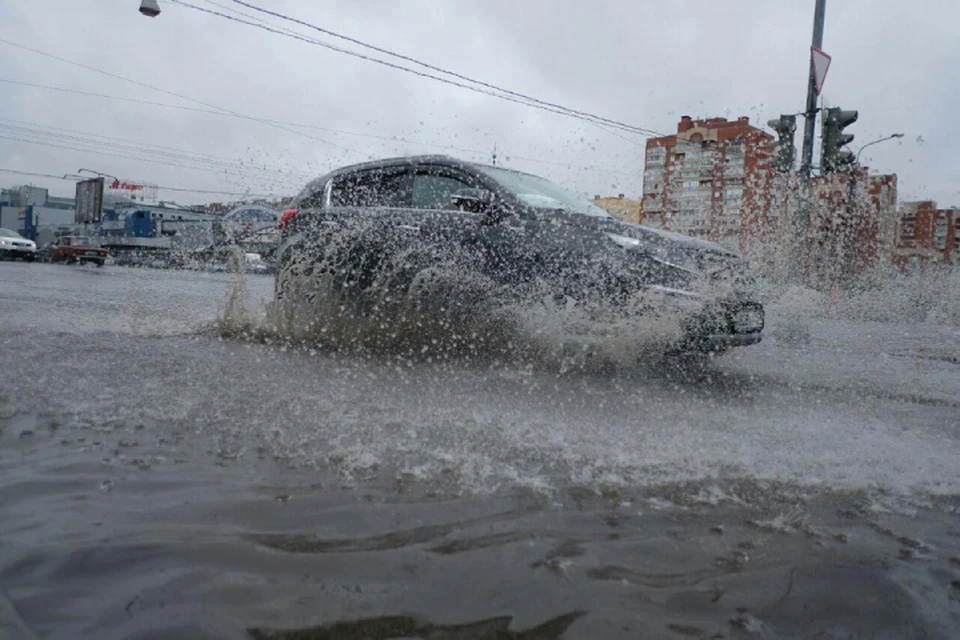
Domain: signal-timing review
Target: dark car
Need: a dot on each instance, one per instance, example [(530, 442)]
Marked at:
[(77, 249), (370, 232)]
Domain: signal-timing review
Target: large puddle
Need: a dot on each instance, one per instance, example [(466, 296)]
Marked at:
[(193, 483)]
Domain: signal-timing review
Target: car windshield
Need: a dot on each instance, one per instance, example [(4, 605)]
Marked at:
[(80, 241), (543, 194), (7, 233)]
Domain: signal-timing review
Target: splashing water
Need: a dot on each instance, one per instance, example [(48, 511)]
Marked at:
[(406, 304)]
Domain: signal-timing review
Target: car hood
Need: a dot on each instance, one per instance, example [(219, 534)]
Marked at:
[(692, 253)]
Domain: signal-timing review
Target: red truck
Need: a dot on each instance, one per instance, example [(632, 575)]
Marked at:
[(70, 249)]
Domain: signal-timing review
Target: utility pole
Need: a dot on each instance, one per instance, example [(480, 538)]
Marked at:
[(810, 121), (806, 162)]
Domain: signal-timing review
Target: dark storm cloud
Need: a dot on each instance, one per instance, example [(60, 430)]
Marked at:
[(641, 63)]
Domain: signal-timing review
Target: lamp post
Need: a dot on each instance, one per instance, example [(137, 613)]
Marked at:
[(892, 136), (150, 8)]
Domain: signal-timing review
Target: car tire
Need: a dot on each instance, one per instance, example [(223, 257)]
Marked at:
[(99, 263), (28, 258)]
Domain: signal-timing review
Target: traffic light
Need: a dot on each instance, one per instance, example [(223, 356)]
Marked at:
[(785, 153), (832, 155)]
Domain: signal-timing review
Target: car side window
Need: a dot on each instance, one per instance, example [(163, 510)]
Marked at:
[(373, 188), (434, 191), (314, 200)]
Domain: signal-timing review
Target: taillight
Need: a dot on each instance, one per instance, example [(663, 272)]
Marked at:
[(287, 216)]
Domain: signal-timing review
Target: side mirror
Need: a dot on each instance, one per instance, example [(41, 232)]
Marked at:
[(473, 200)]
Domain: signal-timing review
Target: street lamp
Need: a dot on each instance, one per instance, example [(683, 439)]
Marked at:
[(150, 8), (878, 141)]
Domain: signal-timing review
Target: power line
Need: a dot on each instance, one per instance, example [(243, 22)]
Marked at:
[(171, 93), (454, 74), (140, 155), (165, 188), (121, 155), (497, 93), (393, 139), (161, 150)]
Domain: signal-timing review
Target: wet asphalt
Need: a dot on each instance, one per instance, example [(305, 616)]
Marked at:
[(163, 478)]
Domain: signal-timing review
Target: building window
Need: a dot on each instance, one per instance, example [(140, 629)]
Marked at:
[(941, 231), (908, 228)]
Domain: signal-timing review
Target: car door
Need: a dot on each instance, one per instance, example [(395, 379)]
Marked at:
[(452, 232), (491, 241), (365, 220)]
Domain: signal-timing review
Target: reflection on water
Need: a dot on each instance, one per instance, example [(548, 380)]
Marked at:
[(389, 627)]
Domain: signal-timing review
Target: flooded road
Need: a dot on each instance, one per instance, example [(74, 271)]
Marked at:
[(162, 481)]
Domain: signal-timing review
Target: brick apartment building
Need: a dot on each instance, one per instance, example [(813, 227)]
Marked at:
[(712, 179), (926, 235), (852, 224)]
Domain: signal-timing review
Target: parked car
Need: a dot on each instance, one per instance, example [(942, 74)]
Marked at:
[(13, 246), (371, 228), (77, 249)]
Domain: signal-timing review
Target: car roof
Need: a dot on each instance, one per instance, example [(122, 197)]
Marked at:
[(318, 183), (400, 161)]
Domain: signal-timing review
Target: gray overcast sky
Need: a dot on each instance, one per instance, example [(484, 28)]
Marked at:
[(645, 63)]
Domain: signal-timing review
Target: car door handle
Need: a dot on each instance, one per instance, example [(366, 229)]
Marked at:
[(408, 227)]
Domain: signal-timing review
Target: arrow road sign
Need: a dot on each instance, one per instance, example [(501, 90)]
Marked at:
[(821, 62)]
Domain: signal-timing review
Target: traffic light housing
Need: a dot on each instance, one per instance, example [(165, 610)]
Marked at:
[(785, 152), (832, 156)]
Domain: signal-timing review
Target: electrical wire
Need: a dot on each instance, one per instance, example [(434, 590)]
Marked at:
[(132, 156), (173, 93), (459, 76), (25, 127), (35, 174), (247, 177), (542, 105), (391, 139)]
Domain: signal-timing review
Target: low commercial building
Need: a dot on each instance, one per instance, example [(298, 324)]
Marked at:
[(622, 208), (34, 213)]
